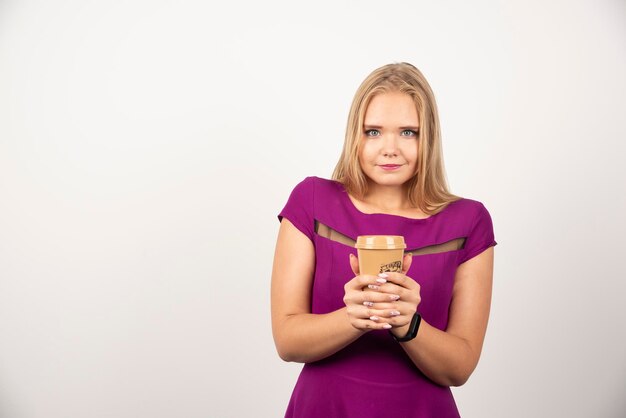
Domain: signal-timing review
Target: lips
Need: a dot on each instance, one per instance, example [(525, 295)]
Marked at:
[(390, 167)]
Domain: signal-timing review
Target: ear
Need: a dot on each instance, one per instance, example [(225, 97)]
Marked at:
[(354, 264), (406, 262)]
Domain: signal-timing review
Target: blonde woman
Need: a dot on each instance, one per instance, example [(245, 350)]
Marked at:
[(393, 344)]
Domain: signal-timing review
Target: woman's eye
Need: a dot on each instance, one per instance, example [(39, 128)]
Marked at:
[(372, 132), (409, 132)]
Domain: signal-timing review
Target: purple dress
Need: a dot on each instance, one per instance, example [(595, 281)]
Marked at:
[(373, 376)]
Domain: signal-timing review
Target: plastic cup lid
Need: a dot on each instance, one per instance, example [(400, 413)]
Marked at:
[(380, 242)]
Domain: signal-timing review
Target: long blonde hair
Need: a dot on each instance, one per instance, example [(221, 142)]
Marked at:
[(428, 188)]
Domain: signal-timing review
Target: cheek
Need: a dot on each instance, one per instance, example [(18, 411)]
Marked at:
[(366, 153), (410, 151)]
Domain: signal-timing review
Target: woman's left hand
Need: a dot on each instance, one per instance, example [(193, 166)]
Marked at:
[(400, 312)]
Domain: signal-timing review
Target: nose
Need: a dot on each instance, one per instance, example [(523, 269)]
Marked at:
[(390, 145)]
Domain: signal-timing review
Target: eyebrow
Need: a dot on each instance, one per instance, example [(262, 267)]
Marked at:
[(414, 128)]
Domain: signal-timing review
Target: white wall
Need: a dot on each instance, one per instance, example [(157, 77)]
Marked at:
[(146, 148)]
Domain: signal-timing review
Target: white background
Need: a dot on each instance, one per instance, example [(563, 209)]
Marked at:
[(146, 148)]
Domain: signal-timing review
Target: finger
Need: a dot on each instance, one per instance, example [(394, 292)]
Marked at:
[(363, 280), (354, 264), (396, 321), (381, 305), (377, 314), (406, 262), (389, 288), (362, 313), (358, 295), (393, 322), (399, 279), (378, 297), (367, 324), (406, 307), (406, 296)]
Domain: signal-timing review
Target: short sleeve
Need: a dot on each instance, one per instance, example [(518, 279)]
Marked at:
[(299, 207), (481, 235)]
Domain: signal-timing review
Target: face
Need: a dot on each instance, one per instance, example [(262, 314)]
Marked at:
[(388, 155)]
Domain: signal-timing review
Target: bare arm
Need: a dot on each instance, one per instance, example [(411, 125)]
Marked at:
[(448, 357), (300, 335)]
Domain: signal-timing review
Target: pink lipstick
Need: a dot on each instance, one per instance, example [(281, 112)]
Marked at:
[(390, 167)]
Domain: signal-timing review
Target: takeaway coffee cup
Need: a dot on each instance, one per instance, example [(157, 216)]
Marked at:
[(380, 253)]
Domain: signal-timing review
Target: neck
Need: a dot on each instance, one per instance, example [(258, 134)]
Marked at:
[(388, 198)]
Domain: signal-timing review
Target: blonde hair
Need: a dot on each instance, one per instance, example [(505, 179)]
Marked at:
[(428, 188)]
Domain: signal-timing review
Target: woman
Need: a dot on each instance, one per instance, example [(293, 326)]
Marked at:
[(393, 344)]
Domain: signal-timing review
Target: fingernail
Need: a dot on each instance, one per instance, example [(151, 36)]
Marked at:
[(395, 313), (383, 275), (381, 280), (370, 304), (373, 286), (394, 297), (387, 326), (374, 318)]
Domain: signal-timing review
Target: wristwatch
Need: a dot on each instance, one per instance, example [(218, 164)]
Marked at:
[(415, 325)]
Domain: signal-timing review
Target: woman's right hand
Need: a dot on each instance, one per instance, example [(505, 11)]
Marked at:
[(364, 304)]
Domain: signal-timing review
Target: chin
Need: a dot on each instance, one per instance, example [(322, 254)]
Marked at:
[(389, 181)]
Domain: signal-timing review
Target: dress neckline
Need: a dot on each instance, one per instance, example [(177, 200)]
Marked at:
[(358, 212)]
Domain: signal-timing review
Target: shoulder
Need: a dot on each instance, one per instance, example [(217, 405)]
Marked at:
[(313, 181), (311, 189), (469, 214), (321, 182), (304, 187), (468, 208), (475, 216), (479, 229), (300, 206), (318, 186)]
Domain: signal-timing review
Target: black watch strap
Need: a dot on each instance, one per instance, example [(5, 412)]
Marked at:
[(413, 327)]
